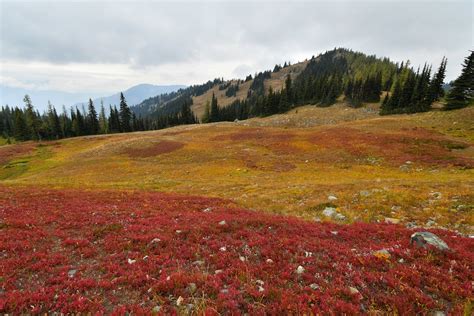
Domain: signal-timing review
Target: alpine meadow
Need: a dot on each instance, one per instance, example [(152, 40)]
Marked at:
[(236, 158)]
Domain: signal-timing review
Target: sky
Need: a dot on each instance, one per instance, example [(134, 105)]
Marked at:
[(101, 47)]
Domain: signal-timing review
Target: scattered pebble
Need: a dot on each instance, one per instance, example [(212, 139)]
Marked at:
[(131, 261), (222, 223), (299, 270)]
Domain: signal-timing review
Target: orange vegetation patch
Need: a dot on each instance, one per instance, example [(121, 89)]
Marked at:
[(163, 147), (408, 144), (255, 134), (10, 152)]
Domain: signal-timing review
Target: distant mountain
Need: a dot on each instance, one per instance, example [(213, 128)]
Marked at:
[(13, 96), (135, 94)]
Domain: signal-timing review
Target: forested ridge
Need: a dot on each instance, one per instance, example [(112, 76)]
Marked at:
[(340, 73)]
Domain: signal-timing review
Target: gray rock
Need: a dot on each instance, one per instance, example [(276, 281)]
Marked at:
[(329, 211), (71, 273), (422, 239)]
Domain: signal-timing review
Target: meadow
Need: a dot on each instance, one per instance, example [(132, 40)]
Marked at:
[(309, 211)]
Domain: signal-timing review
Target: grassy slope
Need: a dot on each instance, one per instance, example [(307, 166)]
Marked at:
[(355, 155), (276, 81)]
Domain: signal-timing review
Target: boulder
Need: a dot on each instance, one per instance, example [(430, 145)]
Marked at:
[(422, 239)]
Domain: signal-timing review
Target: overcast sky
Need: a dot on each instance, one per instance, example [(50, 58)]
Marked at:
[(106, 46)]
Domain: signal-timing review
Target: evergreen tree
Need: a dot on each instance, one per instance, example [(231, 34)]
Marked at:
[(92, 121), (436, 86), (31, 118), (103, 124), (214, 115), (207, 113), (462, 91), (54, 125), (125, 115), (21, 131)]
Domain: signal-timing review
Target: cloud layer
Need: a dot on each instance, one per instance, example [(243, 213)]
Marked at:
[(104, 46)]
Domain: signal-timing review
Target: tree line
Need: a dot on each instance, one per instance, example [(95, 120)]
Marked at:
[(28, 124)]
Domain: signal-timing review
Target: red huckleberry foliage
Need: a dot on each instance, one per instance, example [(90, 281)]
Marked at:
[(115, 252)]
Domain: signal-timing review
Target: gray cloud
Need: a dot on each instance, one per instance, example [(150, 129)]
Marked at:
[(187, 42)]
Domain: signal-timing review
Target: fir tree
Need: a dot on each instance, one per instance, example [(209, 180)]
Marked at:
[(125, 115), (214, 114), (103, 124), (92, 121), (436, 86), (462, 91)]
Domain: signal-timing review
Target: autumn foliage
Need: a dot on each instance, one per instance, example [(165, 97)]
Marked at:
[(111, 251)]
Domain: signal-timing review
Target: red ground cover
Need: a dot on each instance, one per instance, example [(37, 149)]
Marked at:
[(110, 251), (163, 147)]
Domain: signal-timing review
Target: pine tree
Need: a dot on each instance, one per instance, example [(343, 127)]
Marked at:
[(54, 125), (462, 91), (103, 124), (214, 115), (31, 118), (207, 113), (21, 131), (92, 122), (125, 115), (436, 85)]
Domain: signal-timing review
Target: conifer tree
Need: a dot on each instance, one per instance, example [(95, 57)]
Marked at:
[(103, 124), (214, 115), (92, 121), (31, 118), (462, 91), (125, 115), (436, 86), (207, 113), (21, 131)]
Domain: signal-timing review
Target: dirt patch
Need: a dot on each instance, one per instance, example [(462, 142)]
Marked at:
[(283, 167), (163, 147)]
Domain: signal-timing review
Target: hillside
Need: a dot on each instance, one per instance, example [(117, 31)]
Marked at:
[(189, 219), (377, 167)]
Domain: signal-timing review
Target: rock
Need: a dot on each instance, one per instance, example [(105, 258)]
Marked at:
[(155, 241), (156, 309), (222, 223), (340, 217), (332, 198), (218, 271), (439, 313), (353, 290), (223, 248), (269, 261), (179, 301), (334, 232), (242, 258), (314, 286), (430, 223), (207, 210), (329, 211), (436, 195), (131, 261), (317, 219), (422, 239), (410, 225), (71, 273), (382, 254), (224, 291), (390, 220), (299, 270)]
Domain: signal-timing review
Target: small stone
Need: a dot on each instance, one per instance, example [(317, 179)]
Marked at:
[(224, 291), (242, 258), (382, 254), (353, 290), (207, 210), (260, 288), (334, 232), (299, 270), (179, 301), (155, 240), (178, 231), (156, 309), (260, 282), (218, 271), (71, 273), (401, 260), (223, 248), (329, 211), (439, 313), (222, 223), (332, 198), (146, 257), (317, 219), (314, 286), (131, 261), (340, 217), (269, 261), (390, 220), (422, 239)]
